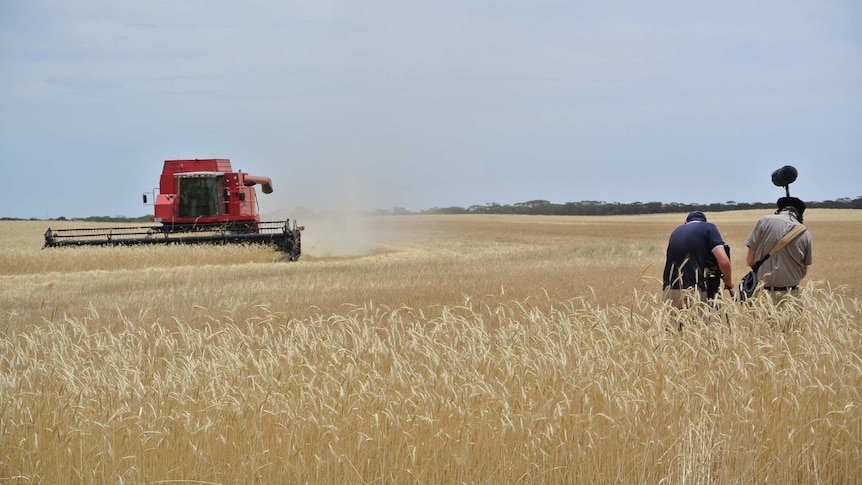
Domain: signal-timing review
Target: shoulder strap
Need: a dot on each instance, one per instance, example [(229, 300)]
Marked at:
[(784, 241), (790, 236)]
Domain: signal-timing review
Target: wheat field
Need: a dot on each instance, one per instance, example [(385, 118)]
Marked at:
[(425, 349)]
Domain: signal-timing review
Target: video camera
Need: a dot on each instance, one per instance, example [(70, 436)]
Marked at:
[(712, 274)]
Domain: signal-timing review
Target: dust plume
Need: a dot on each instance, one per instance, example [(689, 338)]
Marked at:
[(337, 235)]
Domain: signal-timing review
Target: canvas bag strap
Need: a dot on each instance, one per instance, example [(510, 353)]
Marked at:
[(790, 236)]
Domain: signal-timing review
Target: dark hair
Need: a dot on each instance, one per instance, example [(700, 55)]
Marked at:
[(695, 216)]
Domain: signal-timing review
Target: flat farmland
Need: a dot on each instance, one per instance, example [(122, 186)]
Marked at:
[(415, 261), (417, 349)]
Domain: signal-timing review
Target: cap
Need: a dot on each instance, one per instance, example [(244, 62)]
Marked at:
[(793, 202), (695, 216)]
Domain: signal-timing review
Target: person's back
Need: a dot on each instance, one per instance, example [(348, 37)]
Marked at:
[(784, 270), (688, 248)]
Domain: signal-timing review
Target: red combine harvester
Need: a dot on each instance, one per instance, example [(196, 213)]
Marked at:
[(198, 201)]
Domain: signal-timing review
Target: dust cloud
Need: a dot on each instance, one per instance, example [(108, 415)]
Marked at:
[(332, 234), (334, 183), (337, 235)]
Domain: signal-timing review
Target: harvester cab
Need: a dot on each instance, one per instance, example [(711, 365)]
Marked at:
[(198, 195), (197, 201), (192, 192)]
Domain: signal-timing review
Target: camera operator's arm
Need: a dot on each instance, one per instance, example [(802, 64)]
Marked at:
[(723, 264), (749, 260)]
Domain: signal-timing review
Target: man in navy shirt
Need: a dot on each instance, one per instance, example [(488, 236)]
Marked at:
[(689, 248)]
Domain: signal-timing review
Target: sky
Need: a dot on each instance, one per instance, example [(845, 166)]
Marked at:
[(380, 104)]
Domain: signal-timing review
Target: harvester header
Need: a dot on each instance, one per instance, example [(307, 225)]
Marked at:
[(197, 201)]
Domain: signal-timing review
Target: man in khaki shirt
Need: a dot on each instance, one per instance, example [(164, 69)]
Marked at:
[(783, 271)]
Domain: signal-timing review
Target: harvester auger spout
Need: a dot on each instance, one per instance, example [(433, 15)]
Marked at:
[(198, 201)]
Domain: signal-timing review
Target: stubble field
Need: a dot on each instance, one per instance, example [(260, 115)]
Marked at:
[(424, 349)]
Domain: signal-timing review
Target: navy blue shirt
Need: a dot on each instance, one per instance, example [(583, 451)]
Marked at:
[(687, 250)]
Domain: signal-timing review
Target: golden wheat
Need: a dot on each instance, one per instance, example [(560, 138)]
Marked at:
[(454, 350)]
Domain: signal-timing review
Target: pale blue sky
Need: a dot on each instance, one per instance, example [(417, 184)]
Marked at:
[(427, 104)]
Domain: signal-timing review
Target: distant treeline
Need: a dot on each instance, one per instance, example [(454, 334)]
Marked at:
[(601, 208), (546, 208)]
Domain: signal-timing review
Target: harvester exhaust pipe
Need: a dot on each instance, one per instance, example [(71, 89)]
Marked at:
[(265, 183)]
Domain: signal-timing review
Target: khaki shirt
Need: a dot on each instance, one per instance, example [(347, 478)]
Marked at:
[(785, 268)]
